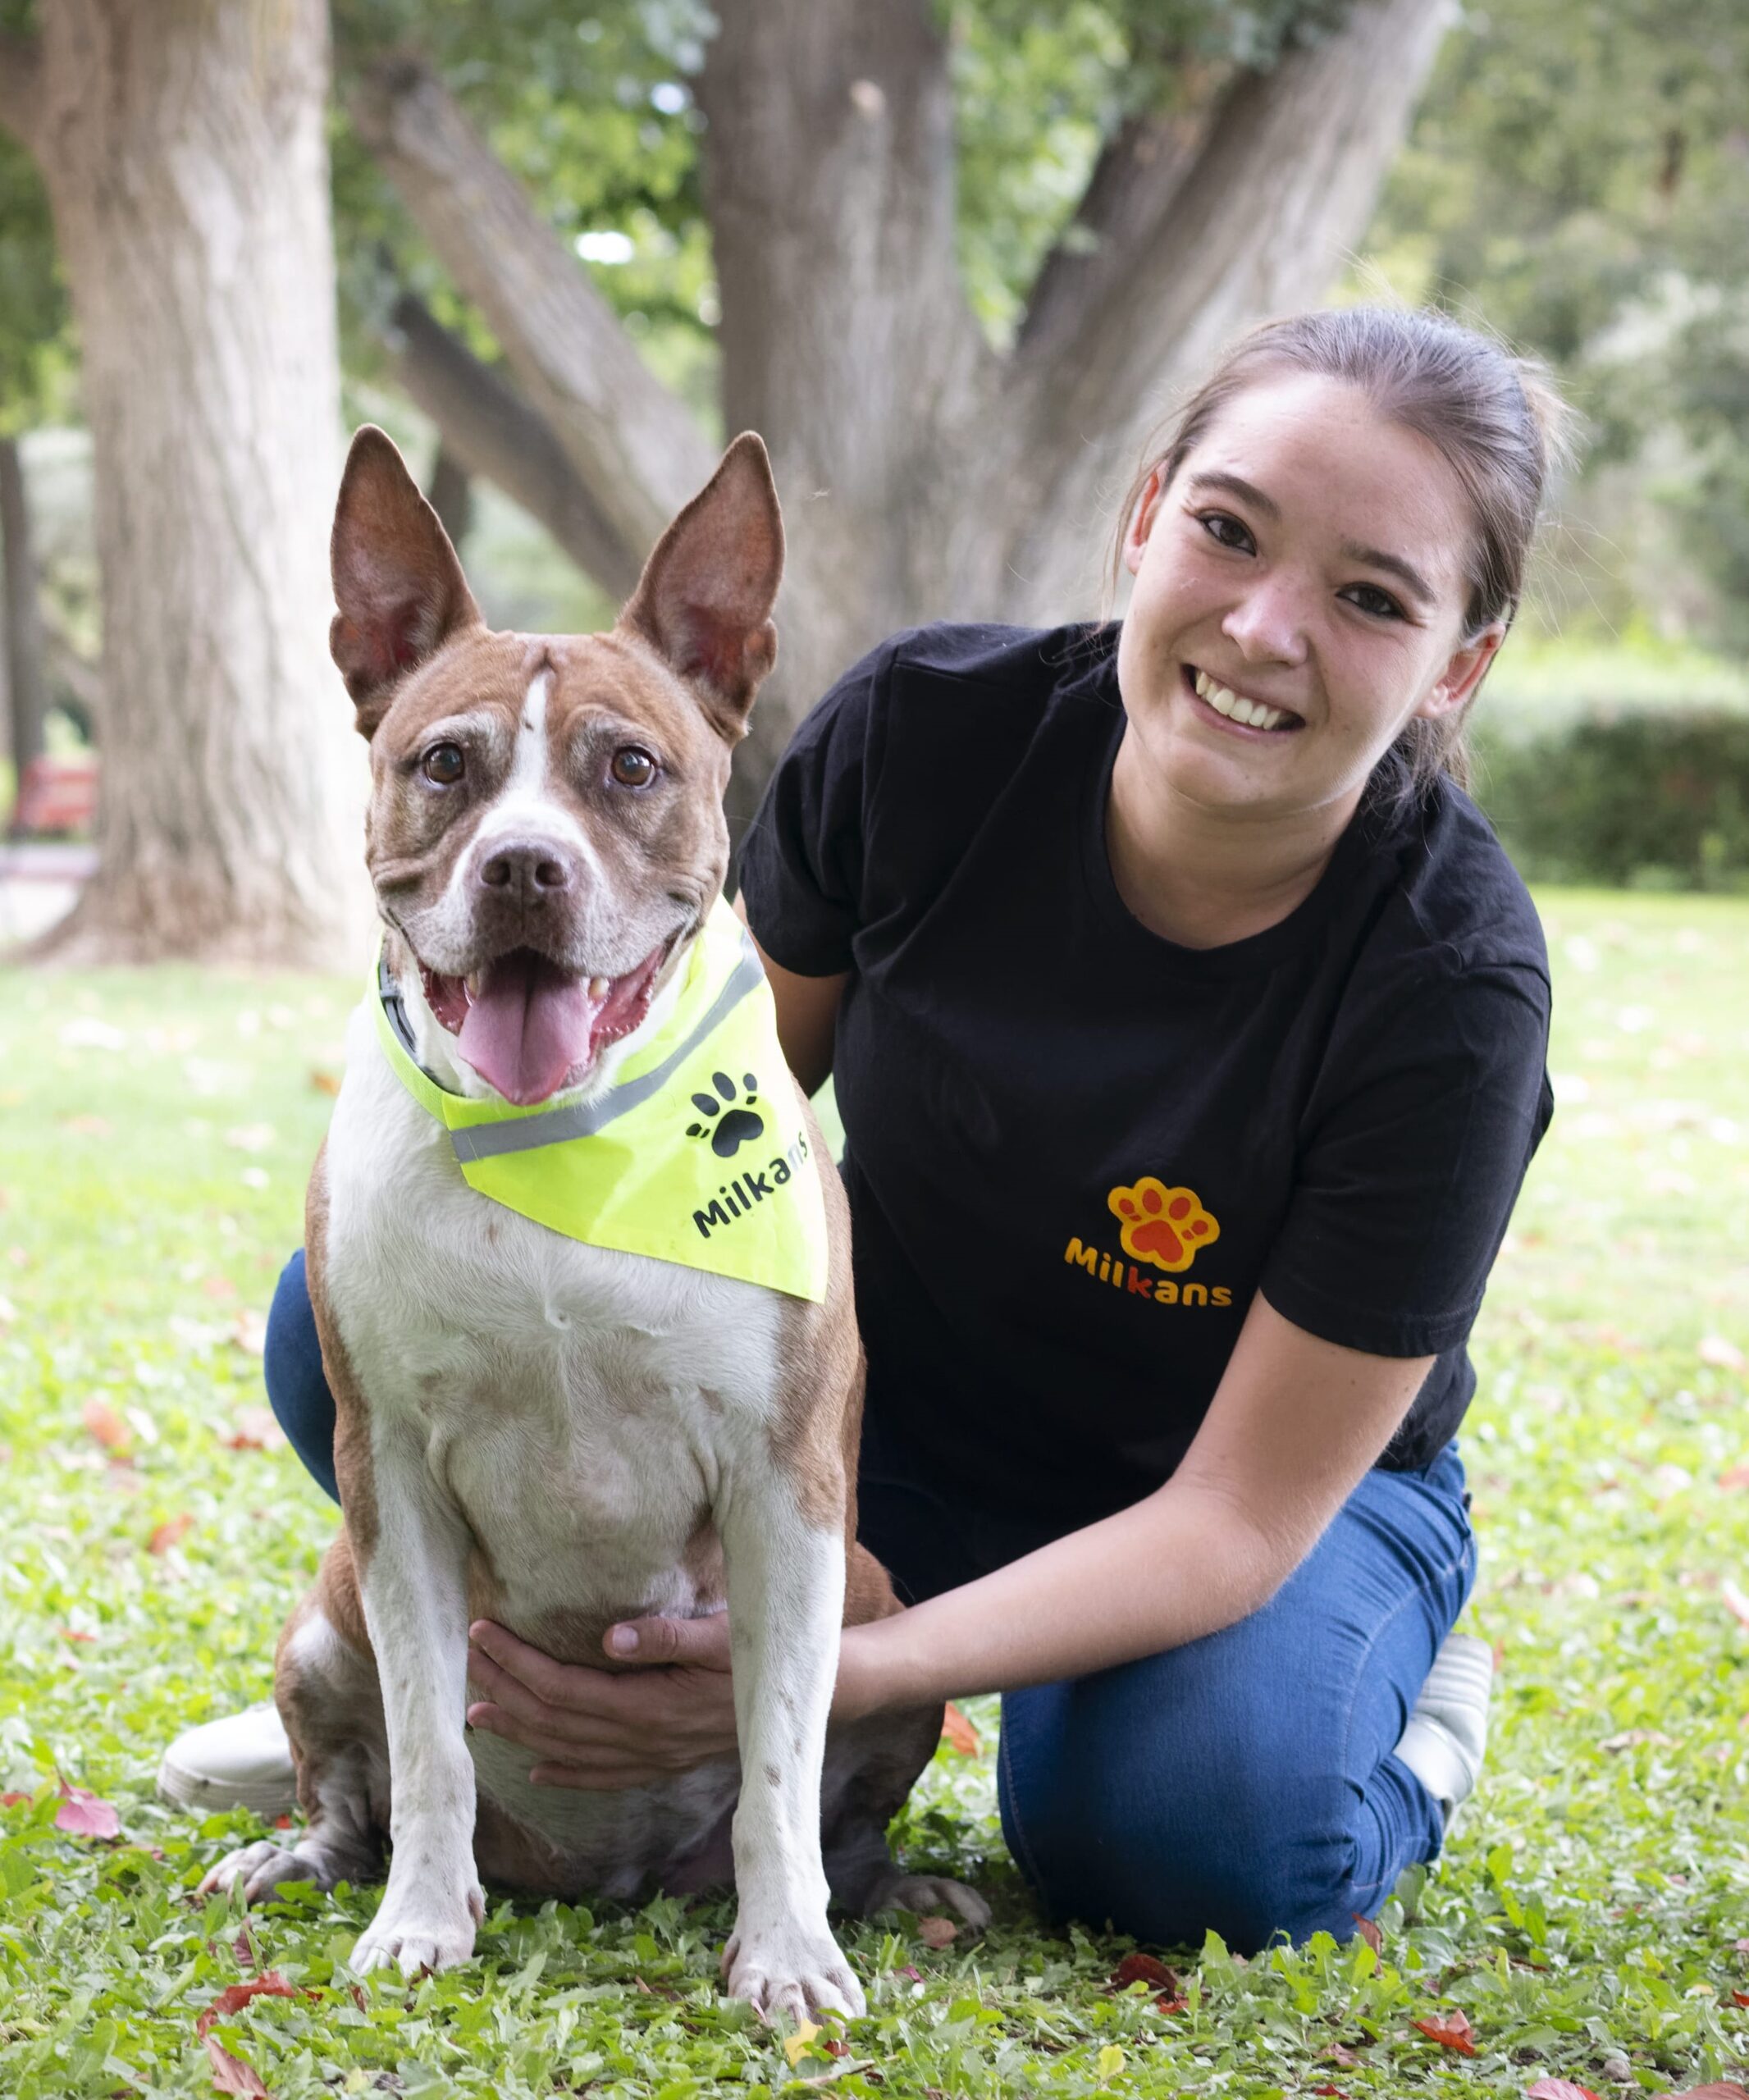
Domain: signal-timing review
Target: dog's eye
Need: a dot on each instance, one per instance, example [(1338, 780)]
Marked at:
[(632, 767), (444, 763)]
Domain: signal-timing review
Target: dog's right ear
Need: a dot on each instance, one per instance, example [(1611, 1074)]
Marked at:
[(399, 586)]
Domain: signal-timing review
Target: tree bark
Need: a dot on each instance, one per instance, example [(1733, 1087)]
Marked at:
[(183, 148), (20, 614)]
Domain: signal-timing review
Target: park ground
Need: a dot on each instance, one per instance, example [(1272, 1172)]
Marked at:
[(1591, 1921)]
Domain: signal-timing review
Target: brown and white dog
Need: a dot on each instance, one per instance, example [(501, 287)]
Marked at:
[(530, 1429)]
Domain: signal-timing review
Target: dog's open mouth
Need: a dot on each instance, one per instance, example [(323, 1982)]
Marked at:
[(530, 1028)]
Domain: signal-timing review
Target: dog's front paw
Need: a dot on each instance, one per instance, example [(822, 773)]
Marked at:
[(923, 1892), (258, 1870), (418, 1929), (791, 1966)]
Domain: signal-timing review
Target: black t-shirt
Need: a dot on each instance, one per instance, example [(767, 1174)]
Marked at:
[(1076, 1150)]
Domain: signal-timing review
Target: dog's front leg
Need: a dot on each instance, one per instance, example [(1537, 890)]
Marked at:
[(786, 1604), (413, 1585)]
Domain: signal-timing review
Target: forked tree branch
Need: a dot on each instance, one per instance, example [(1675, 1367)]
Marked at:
[(495, 433), (634, 446)]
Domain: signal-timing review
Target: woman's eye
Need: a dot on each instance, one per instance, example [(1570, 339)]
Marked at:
[(1370, 599), (444, 765), (1224, 530), (633, 767)]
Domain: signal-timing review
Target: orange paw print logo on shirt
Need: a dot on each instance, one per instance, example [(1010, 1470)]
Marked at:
[(1166, 1226)]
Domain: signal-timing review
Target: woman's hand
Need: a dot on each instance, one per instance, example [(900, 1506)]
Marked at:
[(607, 1729)]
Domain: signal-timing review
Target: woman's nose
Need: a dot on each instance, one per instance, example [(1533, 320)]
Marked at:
[(1268, 623)]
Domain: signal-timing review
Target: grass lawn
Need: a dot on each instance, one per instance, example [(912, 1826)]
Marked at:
[(1591, 1920)]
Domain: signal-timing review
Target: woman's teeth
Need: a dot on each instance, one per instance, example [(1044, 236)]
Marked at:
[(1237, 709)]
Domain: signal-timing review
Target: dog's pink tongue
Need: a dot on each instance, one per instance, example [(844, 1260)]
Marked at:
[(528, 1025)]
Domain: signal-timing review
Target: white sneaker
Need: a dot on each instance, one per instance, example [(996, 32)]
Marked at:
[(242, 1761), (1447, 1736)]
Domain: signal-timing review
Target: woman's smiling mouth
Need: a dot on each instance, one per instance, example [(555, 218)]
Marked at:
[(1234, 711)]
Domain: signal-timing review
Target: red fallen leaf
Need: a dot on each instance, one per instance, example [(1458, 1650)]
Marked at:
[(937, 1931), (105, 1425), (232, 2074), (356, 1994), (1367, 1928), (1171, 2005), (1737, 1476), (957, 1730), (1559, 2089), (1145, 1968), (1451, 2030), (243, 1947), (835, 2047), (73, 1633), (916, 1975), (11, 1801), (85, 1816), (1740, 1997), (170, 1532), (1332, 2092), (235, 1997), (282, 1823)]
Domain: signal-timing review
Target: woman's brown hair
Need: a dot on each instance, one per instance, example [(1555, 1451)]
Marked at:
[(1496, 419)]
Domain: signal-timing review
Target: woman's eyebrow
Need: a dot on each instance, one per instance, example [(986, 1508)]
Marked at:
[(1413, 581), (1235, 485)]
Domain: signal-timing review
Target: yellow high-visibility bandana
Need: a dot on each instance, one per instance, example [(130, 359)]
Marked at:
[(696, 1153)]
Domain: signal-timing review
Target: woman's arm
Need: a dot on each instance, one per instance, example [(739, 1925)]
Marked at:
[(1294, 1424), (807, 1015)]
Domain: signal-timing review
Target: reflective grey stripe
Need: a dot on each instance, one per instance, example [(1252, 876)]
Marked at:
[(528, 1133)]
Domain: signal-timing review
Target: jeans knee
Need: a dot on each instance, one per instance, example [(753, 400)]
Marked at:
[(1240, 1844)]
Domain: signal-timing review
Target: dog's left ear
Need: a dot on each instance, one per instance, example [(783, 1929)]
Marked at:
[(705, 596), (397, 582)]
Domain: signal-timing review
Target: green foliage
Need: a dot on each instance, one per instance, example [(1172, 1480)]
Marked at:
[(37, 355), (1589, 1908), (1656, 797), (1578, 179)]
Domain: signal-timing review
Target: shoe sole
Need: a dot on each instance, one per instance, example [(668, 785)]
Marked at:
[(266, 1799)]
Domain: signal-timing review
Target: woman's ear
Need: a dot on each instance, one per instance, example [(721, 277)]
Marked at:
[(1456, 685), (1142, 519)]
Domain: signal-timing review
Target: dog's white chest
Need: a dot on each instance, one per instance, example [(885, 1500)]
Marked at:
[(577, 1403)]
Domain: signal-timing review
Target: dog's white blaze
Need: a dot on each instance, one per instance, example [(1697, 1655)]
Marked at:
[(526, 805)]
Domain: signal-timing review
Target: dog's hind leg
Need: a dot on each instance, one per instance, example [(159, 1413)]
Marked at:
[(325, 1683), (870, 1768)]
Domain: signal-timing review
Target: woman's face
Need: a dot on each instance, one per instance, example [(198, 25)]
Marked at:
[(1305, 569)]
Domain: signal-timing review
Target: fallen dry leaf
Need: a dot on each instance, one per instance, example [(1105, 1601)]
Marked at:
[(85, 1815), (1740, 1997), (937, 1931), (232, 2074), (1329, 2091), (1721, 1353), (1145, 1968), (1451, 2030), (248, 1332), (1164, 2004), (1559, 2089), (1367, 1928), (956, 1730), (105, 1425), (11, 1801), (170, 1532), (796, 2046), (256, 1429), (235, 1996), (1343, 2058), (324, 1082), (74, 1633)]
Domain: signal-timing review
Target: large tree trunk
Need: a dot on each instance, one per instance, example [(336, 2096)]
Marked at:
[(923, 474), (182, 145), (20, 614)]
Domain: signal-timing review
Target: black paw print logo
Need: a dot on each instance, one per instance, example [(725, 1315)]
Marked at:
[(737, 1127)]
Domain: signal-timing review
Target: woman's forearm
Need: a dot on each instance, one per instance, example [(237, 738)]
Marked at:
[(1182, 1564)]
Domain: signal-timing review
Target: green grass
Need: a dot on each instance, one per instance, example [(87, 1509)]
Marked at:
[(154, 1134)]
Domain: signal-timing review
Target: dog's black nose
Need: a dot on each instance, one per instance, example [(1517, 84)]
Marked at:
[(530, 868)]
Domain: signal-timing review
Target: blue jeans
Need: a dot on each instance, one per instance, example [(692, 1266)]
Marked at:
[(1245, 1782)]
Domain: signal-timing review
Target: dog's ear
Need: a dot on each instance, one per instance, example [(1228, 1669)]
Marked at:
[(705, 596), (399, 586)]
